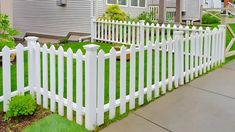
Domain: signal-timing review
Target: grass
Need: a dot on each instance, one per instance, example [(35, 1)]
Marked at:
[(54, 123)]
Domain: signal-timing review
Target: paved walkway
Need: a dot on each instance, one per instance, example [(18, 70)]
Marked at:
[(204, 105)]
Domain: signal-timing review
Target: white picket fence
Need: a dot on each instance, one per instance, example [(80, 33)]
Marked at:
[(169, 63)]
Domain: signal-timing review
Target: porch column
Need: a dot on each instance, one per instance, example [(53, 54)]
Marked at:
[(178, 16), (162, 11), (6, 7)]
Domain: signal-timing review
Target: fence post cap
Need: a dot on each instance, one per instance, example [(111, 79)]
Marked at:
[(91, 47), (31, 38)]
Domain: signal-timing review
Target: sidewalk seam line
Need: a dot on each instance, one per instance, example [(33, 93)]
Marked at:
[(151, 122), (209, 91)]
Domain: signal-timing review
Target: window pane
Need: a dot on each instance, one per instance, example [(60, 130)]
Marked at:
[(112, 1), (122, 2), (134, 2), (142, 3)]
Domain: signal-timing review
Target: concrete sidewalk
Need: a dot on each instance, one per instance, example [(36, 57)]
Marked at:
[(204, 105)]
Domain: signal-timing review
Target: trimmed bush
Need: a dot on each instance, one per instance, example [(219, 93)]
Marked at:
[(113, 12), (21, 105)]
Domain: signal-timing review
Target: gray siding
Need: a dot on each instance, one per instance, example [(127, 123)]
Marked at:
[(45, 17)]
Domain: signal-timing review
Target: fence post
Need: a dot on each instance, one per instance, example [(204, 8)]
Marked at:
[(31, 43), (178, 72), (90, 84), (142, 32), (223, 30), (93, 29)]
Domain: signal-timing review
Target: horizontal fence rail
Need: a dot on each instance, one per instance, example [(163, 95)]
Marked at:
[(87, 85)]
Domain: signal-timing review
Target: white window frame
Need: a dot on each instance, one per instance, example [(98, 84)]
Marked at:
[(138, 4), (118, 3)]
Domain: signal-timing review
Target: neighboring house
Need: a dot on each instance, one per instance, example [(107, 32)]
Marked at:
[(59, 17)]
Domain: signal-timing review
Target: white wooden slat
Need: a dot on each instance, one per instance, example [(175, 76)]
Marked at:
[(192, 48), (133, 34), (129, 32), (109, 30), (147, 33), (209, 50), (20, 68), (113, 30), (164, 43), (158, 33), (138, 34), (201, 37), (105, 30), (6, 77), (98, 30), (101, 77), (163, 32), (205, 51), (79, 87), (132, 76), (70, 84), (120, 34), (156, 67), (38, 73), (220, 46), (213, 47), (170, 64), (149, 71), (176, 60), (124, 37), (123, 81), (197, 40), (45, 76), (61, 80), (112, 83), (141, 75), (187, 55), (217, 48), (102, 30), (181, 61), (168, 32), (152, 33), (117, 31), (52, 79)]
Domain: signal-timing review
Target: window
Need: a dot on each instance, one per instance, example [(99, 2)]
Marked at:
[(120, 2), (138, 3)]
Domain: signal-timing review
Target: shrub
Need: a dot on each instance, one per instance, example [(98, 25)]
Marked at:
[(113, 12), (146, 16), (6, 32), (21, 105), (209, 19)]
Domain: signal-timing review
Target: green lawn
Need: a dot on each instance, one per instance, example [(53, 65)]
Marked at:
[(54, 123)]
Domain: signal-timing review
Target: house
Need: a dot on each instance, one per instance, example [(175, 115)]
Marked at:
[(59, 17)]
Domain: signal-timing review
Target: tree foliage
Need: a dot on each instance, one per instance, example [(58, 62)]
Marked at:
[(113, 12)]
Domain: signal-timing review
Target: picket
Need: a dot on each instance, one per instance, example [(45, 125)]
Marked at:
[(149, 72), (61, 81), (52, 79), (170, 78), (45, 76), (187, 55), (20, 68), (79, 87), (157, 69), (101, 77), (132, 76), (69, 84), (6, 76), (163, 46), (123, 81), (38, 73), (112, 84)]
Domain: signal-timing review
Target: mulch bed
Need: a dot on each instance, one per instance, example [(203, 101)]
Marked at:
[(18, 124)]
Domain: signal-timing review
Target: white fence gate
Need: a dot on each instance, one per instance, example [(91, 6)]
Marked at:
[(157, 64)]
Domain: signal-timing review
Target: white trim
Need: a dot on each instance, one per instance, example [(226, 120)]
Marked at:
[(117, 3)]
